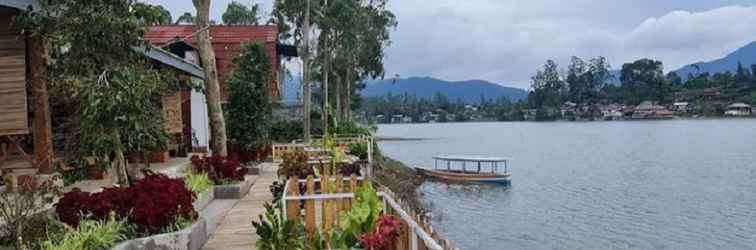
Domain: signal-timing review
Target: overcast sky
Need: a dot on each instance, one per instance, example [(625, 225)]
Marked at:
[(506, 41)]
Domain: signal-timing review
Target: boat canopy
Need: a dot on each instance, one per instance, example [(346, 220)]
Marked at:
[(472, 158), (476, 160)]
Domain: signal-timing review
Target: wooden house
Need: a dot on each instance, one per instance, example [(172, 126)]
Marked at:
[(25, 124), (24, 107), (227, 43)]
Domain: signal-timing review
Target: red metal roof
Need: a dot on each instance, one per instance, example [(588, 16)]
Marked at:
[(227, 42)]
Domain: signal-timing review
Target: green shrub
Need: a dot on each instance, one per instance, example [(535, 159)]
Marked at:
[(249, 107), (90, 235), (359, 150), (198, 182), (286, 131), (278, 234)]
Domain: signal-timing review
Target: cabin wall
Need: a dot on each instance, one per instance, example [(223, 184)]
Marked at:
[(13, 69)]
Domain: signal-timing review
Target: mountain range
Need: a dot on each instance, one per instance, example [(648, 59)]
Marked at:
[(471, 91), (745, 55)]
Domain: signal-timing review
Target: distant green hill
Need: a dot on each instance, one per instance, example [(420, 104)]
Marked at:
[(426, 87)]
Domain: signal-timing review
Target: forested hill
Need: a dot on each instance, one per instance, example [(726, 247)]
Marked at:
[(745, 55), (469, 91)]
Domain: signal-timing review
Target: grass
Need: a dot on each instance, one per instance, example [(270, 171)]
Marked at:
[(90, 235), (198, 183)]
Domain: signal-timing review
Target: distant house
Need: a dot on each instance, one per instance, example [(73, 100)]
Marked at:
[(397, 118), (406, 119), (738, 109), (568, 109), (612, 112), (680, 107), (650, 110), (711, 92)]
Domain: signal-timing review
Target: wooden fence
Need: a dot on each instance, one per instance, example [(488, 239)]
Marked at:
[(325, 197)]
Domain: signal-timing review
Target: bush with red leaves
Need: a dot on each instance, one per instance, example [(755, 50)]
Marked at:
[(384, 237), (151, 204), (220, 169)]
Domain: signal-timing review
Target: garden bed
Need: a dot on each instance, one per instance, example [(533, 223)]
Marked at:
[(235, 190), (191, 238)]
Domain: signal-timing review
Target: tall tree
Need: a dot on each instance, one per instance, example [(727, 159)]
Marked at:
[(154, 14), (547, 87), (742, 74), (644, 80), (212, 86), (239, 14), (186, 18), (249, 105)]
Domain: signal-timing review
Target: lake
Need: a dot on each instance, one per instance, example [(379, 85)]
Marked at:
[(676, 184)]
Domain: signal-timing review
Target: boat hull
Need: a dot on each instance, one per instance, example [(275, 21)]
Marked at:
[(454, 176)]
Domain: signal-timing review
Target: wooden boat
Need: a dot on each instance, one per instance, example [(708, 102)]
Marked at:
[(461, 172)]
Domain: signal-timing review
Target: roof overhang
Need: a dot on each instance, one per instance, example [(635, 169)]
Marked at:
[(171, 60), (19, 4)]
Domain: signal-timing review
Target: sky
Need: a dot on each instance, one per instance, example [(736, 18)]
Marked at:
[(507, 41)]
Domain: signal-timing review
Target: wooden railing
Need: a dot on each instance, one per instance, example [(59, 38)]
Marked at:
[(331, 195), (279, 149)]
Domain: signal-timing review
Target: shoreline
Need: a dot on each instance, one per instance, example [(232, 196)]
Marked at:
[(403, 180), (723, 118)]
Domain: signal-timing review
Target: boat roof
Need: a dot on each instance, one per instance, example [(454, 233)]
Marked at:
[(472, 158)]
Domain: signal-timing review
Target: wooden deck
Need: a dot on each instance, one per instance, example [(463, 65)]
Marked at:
[(235, 230)]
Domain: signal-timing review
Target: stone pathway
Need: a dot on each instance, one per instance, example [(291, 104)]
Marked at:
[(235, 230)]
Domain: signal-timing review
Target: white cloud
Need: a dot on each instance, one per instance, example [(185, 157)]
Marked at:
[(507, 43)]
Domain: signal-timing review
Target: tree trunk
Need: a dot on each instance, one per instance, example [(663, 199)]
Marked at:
[(120, 164), (218, 138), (42, 134), (306, 75), (325, 89)]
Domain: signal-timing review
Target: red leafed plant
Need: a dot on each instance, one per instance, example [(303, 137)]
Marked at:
[(151, 204), (219, 169), (384, 237)]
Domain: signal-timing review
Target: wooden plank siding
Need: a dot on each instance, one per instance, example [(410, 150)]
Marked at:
[(13, 100)]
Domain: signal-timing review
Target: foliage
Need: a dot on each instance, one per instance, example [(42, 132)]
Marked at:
[(295, 164), (91, 235), (351, 38), (118, 112), (221, 170), (384, 236), (153, 14), (644, 80), (18, 209), (276, 189), (366, 210), (41, 227), (111, 86), (77, 173), (249, 108), (198, 182), (286, 131), (186, 18), (276, 233), (151, 204), (359, 149), (239, 14)]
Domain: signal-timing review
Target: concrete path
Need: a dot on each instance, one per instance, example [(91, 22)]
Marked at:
[(235, 230)]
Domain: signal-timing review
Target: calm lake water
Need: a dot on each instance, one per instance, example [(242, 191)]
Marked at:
[(680, 184)]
